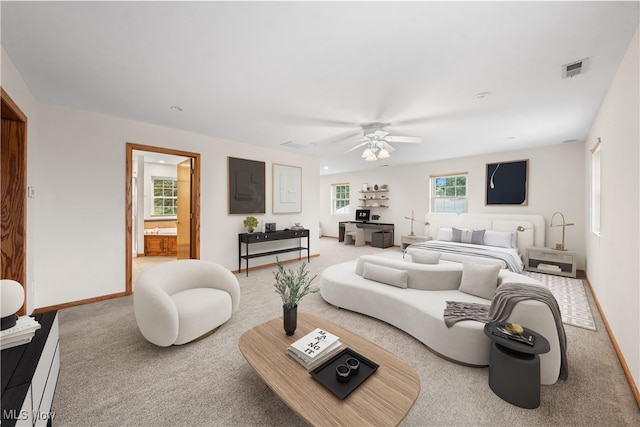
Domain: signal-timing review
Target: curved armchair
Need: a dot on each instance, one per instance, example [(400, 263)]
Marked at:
[(351, 233), (178, 301)]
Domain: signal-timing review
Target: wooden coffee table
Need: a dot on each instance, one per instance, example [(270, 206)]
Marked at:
[(383, 399)]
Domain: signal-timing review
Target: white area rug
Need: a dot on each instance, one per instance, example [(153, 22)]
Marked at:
[(571, 297)]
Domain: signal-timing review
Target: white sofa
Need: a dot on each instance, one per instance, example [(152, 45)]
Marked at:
[(419, 308), (179, 301)]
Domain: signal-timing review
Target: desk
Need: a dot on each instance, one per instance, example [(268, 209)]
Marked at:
[(373, 226), (252, 238)]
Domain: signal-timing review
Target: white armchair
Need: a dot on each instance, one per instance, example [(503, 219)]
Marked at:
[(351, 233), (179, 301)]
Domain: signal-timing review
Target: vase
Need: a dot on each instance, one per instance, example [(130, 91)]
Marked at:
[(290, 316), (250, 229)]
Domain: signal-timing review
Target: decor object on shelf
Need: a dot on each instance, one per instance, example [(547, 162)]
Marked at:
[(11, 299), (250, 222), (292, 287), (507, 183), (560, 246), (179, 301), (287, 189), (412, 219), (246, 186)]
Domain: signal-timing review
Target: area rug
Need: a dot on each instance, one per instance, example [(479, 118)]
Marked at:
[(571, 297)]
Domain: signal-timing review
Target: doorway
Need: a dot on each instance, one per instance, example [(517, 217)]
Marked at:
[(13, 179), (187, 218)]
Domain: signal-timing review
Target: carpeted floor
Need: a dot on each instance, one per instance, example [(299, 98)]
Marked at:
[(111, 376)]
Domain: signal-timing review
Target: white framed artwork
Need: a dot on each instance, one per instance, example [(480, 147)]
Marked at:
[(287, 189)]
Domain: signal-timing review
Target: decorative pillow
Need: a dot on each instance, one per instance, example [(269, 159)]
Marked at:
[(386, 275), (502, 239), (444, 234), (425, 257), (467, 236), (480, 280)]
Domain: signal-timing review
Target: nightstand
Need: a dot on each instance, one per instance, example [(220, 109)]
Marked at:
[(410, 240), (550, 261)]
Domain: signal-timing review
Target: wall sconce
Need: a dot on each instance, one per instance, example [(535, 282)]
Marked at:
[(560, 246), (521, 228)]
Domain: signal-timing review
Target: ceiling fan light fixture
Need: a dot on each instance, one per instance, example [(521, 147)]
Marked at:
[(383, 154), (367, 153), (371, 158)]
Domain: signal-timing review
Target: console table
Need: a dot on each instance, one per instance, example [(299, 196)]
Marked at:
[(252, 238), (373, 226), (30, 374)]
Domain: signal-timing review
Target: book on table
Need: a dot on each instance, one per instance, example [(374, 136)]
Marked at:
[(314, 348), (22, 333)]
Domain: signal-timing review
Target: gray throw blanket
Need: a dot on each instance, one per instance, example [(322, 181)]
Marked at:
[(507, 296)]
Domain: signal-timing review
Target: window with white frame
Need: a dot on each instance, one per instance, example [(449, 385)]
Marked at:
[(341, 196), (595, 188), (165, 196), (449, 193)]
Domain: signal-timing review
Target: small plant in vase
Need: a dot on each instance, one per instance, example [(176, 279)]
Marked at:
[(292, 286), (250, 222)]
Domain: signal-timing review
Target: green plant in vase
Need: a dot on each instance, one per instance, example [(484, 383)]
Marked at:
[(292, 286), (250, 222)]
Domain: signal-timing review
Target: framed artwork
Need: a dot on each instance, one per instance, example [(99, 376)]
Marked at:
[(246, 186), (287, 189), (507, 183)]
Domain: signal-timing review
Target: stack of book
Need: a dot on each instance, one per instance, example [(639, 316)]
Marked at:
[(549, 267), (314, 348), (21, 333)]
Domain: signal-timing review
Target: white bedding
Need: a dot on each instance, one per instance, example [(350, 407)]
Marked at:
[(509, 256)]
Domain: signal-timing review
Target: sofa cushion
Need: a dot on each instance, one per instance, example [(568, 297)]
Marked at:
[(479, 279), (387, 275), (425, 257)]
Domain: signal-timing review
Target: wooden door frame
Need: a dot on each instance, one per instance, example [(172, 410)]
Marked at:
[(195, 203), (14, 228)]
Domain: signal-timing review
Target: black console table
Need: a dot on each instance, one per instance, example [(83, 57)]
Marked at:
[(252, 238)]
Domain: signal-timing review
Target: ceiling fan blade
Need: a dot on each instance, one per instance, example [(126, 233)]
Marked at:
[(357, 146), (407, 139), (377, 134), (316, 121), (389, 147)]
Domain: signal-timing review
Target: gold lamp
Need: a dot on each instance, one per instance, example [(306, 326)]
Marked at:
[(412, 221), (521, 228), (560, 246)]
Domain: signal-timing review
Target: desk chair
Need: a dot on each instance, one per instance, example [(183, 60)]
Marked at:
[(352, 231)]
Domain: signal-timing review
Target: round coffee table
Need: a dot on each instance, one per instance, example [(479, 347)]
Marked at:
[(514, 367)]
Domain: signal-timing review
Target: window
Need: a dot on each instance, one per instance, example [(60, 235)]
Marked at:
[(165, 196), (449, 193), (341, 199), (595, 188)]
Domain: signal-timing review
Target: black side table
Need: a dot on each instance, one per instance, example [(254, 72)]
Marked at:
[(514, 367)]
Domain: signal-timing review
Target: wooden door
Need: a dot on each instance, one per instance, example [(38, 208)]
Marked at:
[(184, 210), (13, 183)]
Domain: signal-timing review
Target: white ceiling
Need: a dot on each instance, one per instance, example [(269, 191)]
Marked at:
[(266, 73)]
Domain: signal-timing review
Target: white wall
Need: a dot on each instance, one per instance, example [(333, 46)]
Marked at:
[(76, 234), (556, 183), (613, 257)]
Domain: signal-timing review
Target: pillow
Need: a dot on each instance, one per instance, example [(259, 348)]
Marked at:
[(502, 239), (467, 236), (444, 234), (425, 257), (480, 280), (386, 275)]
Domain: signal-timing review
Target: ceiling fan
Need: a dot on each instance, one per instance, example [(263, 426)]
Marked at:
[(377, 141)]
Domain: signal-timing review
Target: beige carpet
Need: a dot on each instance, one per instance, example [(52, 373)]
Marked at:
[(111, 376), (571, 297)]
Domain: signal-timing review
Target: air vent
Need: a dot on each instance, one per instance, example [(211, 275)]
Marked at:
[(292, 144), (574, 68)]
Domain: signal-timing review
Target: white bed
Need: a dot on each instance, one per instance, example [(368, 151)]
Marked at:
[(503, 244)]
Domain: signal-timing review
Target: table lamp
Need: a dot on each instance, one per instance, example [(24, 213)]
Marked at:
[(11, 299)]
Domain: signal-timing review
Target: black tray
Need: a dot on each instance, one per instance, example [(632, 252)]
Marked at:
[(325, 374)]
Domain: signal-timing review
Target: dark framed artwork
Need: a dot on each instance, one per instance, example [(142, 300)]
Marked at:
[(246, 186), (507, 183)]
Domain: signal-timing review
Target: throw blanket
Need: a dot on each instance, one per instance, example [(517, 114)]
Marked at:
[(508, 256), (507, 296)]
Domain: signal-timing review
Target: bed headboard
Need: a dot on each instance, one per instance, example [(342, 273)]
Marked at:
[(533, 235)]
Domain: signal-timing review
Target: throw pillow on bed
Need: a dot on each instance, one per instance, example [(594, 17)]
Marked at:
[(386, 275), (425, 257), (475, 237), (480, 280)]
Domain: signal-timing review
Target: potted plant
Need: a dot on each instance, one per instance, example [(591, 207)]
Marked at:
[(292, 286), (250, 222)]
